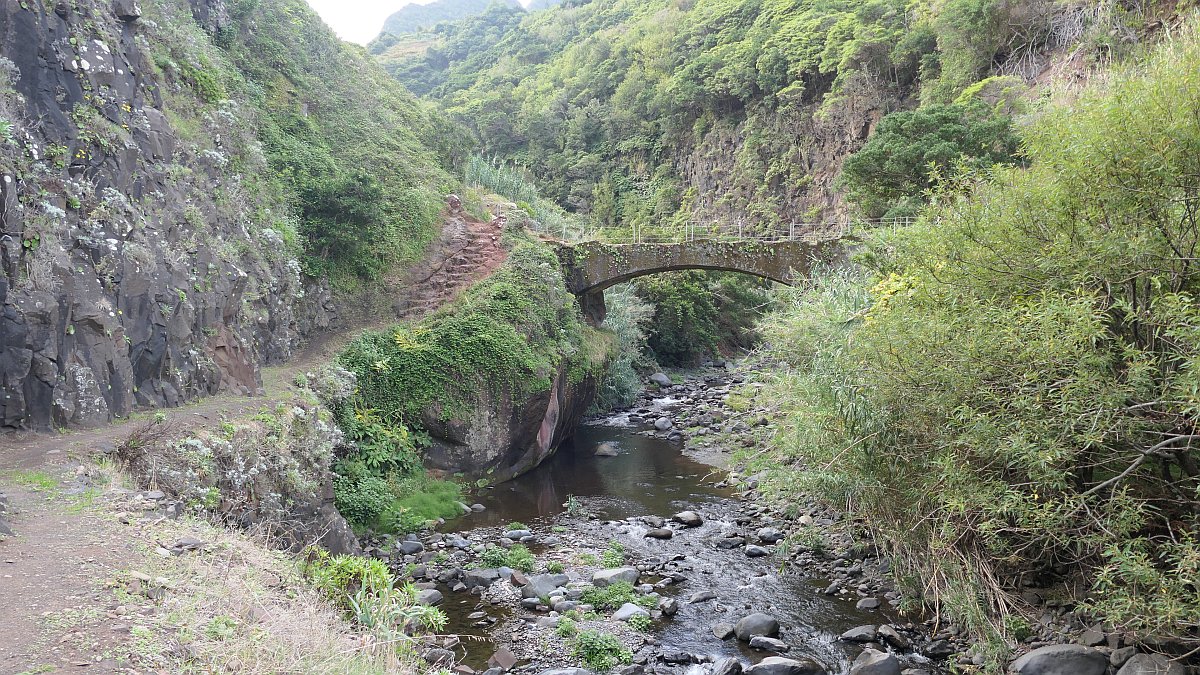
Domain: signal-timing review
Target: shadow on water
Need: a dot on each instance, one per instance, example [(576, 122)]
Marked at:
[(651, 476)]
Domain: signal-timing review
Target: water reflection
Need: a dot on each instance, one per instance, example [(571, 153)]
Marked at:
[(648, 476)]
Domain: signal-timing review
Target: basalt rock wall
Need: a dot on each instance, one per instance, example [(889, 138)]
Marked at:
[(141, 264)]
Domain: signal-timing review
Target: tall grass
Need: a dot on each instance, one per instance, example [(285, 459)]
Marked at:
[(544, 215)]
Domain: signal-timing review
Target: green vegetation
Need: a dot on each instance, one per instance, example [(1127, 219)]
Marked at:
[(614, 595), (355, 162), (699, 313), (507, 334), (613, 556), (1009, 387), (517, 557), (599, 651), (413, 18), (627, 317), (366, 590), (910, 150), (609, 104), (640, 622)]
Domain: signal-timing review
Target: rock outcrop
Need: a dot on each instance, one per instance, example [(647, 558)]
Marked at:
[(504, 437), (142, 264)]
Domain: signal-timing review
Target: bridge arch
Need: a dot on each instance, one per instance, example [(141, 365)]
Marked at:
[(591, 267)]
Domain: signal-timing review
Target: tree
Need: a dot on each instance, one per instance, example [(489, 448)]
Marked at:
[(892, 173)]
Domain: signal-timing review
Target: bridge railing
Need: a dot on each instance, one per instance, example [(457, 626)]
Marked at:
[(708, 231)]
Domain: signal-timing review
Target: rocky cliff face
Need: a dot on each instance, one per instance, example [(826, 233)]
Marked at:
[(143, 259), (780, 165)]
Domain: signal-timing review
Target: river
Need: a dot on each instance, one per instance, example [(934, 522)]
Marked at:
[(652, 476)]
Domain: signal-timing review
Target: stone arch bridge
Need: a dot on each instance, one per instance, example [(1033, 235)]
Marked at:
[(591, 266)]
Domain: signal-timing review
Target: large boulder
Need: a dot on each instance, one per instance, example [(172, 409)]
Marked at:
[(756, 624), (1061, 660), (604, 578), (688, 519), (484, 577), (727, 666), (661, 379), (778, 665), (866, 633), (875, 662), (628, 611), (1150, 664), (542, 585), (429, 596)]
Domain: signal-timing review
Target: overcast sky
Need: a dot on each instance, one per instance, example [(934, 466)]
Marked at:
[(359, 20)]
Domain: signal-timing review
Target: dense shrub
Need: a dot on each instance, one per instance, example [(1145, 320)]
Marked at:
[(361, 499), (599, 651), (1009, 389), (892, 174), (697, 313), (508, 333)]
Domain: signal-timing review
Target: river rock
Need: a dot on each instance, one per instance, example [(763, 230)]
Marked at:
[(478, 508), (893, 637), (668, 606), (875, 662), (410, 547), (767, 644), (607, 450), (723, 630), (484, 578), (1150, 664), (567, 671), (860, 634), (661, 379), (701, 596), (660, 533), (604, 578), (436, 657), (867, 603), (1061, 660), (542, 585), (727, 666), (1119, 656), (503, 658), (755, 551), (429, 596), (778, 665), (769, 535), (517, 535), (756, 624), (628, 611), (664, 424)]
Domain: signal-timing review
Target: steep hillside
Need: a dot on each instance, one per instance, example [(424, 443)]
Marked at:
[(464, 42), (735, 111), (415, 18), (171, 171)]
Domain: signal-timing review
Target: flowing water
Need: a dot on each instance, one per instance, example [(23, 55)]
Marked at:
[(651, 476)]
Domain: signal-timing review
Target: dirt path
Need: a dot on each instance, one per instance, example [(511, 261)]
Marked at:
[(55, 574), (467, 251)]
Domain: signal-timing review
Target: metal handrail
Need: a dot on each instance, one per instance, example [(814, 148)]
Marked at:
[(795, 231)]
